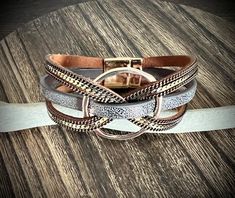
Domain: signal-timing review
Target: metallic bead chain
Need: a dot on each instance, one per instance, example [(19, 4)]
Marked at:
[(150, 123), (74, 123), (185, 80), (83, 85), (162, 87)]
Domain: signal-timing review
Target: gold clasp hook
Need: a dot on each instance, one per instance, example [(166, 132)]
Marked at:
[(124, 80)]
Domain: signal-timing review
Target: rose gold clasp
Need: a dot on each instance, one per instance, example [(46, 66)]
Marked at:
[(124, 80)]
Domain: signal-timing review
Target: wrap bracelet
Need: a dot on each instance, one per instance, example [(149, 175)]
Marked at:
[(93, 122), (56, 67)]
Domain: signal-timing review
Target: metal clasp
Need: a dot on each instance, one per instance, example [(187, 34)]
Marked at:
[(123, 80)]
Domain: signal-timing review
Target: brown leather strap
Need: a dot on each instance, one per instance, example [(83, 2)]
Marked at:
[(72, 61)]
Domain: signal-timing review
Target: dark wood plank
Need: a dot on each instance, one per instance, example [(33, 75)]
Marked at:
[(5, 182), (52, 162), (3, 96), (14, 168)]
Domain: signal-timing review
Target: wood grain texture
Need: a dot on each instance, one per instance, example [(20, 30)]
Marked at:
[(54, 162)]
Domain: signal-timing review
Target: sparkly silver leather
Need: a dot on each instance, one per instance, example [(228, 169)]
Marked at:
[(120, 111), (143, 108)]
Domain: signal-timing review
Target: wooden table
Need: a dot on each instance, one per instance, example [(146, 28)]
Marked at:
[(54, 162)]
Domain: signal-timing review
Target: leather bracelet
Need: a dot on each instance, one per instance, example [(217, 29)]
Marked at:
[(91, 123), (100, 93)]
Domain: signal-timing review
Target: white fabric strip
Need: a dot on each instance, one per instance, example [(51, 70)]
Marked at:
[(15, 117)]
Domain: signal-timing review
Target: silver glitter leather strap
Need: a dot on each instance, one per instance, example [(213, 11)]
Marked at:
[(123, 111), (144, 108), (116, 111)]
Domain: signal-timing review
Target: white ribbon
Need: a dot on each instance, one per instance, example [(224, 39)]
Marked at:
[(15, 117)]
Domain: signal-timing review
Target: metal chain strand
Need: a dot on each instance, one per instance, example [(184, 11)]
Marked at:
[(83, 85), (76, 124), (161, 88)]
